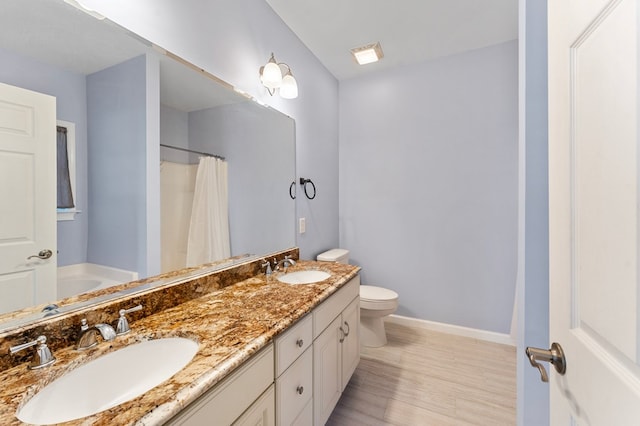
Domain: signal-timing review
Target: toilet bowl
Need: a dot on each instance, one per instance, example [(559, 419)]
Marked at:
[(375, 304)]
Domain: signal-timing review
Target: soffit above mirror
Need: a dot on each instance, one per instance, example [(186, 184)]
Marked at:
[(38, 29)]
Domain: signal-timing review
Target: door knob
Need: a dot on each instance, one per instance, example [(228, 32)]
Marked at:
[(555, 356), (44, 254)]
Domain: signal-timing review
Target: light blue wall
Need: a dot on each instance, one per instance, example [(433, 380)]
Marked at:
[(256, 142), (174, 131), (151, 233), (233, 39), (533, 304), (117, 109), (70, 91), (428, 185)]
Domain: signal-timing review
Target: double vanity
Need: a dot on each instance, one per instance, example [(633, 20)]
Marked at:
[(248, 349)]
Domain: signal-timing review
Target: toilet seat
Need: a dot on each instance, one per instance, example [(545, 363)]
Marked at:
[(377, 298)]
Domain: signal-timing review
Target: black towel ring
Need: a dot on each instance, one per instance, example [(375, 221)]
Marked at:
[(292, 186), (304, 183)]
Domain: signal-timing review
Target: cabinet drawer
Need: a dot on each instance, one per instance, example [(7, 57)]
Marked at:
[(226, 401), (291, 344), (294, 389), (331, 308)]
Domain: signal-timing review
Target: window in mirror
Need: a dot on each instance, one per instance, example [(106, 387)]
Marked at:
[(66, 169)]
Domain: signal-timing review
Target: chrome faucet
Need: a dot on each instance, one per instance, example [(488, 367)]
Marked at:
[(42, 357), (87, 337), (287, 261)]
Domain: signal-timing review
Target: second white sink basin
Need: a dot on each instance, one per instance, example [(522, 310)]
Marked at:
[(304, 277), (107, 381)]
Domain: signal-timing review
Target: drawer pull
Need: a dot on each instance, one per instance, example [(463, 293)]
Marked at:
[(343, 334), (348, 328), (299, 343), (300, 389)]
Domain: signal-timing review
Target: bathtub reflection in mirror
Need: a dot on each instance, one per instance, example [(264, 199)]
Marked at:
[(118, 166)]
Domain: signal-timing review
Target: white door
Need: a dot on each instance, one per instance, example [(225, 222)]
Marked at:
[(27, 198), (593, 210)]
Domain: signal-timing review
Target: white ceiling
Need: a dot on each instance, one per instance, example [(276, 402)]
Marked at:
[(58, 34), (410, 31)]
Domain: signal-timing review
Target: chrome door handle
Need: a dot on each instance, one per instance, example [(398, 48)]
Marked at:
[(555, 356), (44, 254)]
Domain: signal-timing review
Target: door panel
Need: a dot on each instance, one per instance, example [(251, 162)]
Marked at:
[(593, 210), (28, 194), (18, 167), (604, 181)]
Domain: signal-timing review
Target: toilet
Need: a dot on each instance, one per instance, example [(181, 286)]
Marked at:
[(375, 304)]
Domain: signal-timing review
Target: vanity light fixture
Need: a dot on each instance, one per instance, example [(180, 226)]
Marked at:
[(277, 75), (367, 54)]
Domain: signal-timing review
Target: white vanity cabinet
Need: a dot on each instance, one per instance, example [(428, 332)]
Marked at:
[(336, 348), (295, 381), (248, 389)]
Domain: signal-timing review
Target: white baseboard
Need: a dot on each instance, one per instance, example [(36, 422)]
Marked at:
[(489, 336)]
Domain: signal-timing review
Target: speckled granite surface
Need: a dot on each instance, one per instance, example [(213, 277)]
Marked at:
[(230, 324), (62, 330)]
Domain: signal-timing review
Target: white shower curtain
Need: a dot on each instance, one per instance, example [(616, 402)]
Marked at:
[(209, 227)]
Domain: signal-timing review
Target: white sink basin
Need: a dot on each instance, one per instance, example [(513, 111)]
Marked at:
[(304, 277), (107, 381)]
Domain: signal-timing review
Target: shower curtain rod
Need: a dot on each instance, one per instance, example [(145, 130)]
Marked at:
[(192, 151)]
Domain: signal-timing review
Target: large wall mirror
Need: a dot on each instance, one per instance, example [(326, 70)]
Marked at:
[(140, 119)]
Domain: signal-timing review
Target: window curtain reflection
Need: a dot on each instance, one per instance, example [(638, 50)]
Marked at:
[(65, 195), (209, 227)]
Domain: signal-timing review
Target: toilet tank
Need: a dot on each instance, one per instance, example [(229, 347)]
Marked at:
[(335, 255)]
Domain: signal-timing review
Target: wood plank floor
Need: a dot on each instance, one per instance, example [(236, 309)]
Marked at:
[(423, 377)]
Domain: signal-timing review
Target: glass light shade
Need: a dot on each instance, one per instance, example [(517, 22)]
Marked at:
[(289, 87), (271, 75)]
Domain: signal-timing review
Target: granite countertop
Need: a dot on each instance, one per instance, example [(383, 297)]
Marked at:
[(230, 326)]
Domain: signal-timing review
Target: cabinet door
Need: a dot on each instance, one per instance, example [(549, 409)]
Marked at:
[(305, 418), (351, 343), (261, 412), (327, 377)]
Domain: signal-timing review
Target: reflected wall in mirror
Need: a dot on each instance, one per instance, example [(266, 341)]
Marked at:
[(125, 98)]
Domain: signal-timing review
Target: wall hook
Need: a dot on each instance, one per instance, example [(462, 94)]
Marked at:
[(303, 183)]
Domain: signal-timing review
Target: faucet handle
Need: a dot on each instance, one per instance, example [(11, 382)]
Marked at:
[(43, 356), (267, 265), (123, 325)]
